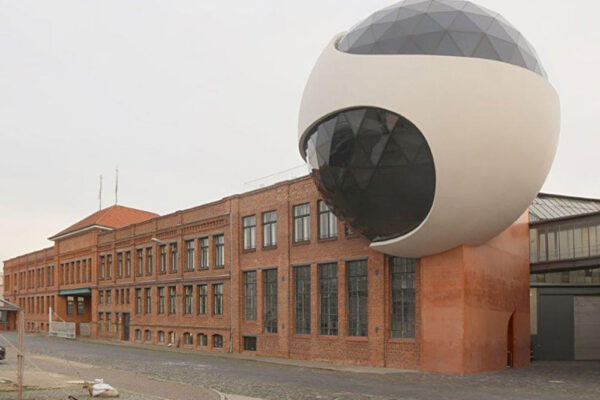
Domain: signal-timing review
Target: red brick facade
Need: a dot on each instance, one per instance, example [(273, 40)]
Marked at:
[(457, 294), (223, 217)]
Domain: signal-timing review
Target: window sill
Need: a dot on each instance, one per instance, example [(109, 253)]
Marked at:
[(301, 243), (327, 239), (328, 337), (273, 247), (356, 339), (253, 250), (304, 336), (402, 340)]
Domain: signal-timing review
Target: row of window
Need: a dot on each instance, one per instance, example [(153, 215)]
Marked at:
[(36, 304), (121, 296), (79, 271), (564, 241), (188, 338), (301, 226), (33, 278), (402, 305), (195, 299), (168, 258), (75, 305)]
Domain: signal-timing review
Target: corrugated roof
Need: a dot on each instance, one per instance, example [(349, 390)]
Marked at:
[(111, 217), (548, 207)]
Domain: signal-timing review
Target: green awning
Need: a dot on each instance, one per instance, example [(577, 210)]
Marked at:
[(75, 292)]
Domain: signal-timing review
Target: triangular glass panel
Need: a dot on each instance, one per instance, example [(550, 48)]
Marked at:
[(504, 49), (439, 6), (355, 118), (486, 50), (391, 120), (467, 42), (427, 25), (462, 23), (418, 5), (447, 47), (483, 22), (378, 149), (362, 176), (497, 30), (428, 42), (444, 18)]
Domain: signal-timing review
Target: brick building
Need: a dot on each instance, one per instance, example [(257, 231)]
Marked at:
[(273, 272)]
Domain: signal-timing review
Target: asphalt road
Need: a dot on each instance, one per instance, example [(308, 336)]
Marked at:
[(543, 380)]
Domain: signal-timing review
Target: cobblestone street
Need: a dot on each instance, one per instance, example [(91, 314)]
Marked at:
[(143, 372)]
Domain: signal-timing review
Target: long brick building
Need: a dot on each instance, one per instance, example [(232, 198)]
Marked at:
[(268, 272)]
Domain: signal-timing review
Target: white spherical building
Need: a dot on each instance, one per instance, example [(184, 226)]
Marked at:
[(429, 125)]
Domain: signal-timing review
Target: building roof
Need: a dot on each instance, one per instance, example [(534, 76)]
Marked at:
[(112, 217), (548, 207), (5, 305)]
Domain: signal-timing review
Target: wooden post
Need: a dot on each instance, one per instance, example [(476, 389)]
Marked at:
[(21, 350)]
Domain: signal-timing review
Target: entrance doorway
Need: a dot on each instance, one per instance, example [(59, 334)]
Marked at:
[(126, 326), (510, 341)]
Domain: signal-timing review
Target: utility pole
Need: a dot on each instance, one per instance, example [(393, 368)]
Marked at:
[(21, 351)]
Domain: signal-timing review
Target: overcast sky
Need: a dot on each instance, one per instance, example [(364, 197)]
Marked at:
[(191, 99)]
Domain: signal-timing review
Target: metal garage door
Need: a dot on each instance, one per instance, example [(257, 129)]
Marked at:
[(587, 327)]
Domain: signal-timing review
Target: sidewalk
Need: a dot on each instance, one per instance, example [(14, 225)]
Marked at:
[(272, 360)]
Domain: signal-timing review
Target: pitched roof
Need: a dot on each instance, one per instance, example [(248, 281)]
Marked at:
[(112, 217), (548, 207)]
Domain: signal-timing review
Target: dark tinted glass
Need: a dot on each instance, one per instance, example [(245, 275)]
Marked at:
[(374, 168)]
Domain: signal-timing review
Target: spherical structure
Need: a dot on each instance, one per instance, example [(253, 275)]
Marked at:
[(429, 125)]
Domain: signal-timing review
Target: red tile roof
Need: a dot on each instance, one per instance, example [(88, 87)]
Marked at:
[(111, 217)]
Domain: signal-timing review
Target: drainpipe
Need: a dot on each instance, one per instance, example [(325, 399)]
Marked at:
[(230, 278)]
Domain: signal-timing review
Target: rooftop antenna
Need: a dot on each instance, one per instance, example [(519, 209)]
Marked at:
[(116, 185), (100, 194)]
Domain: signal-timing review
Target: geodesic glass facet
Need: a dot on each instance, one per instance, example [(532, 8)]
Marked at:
[(441, 27), (374, 168)]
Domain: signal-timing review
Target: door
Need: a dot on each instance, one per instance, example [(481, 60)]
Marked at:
[(125, 326), (555, 327), (587, 327)]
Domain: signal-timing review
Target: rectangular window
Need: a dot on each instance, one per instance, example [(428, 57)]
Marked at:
[(302, 223), (328, 290), (250, 343), (80, 305), (109, 296), (163, 259), (128, 263), (119, 265), (270, 300), (217, 341), (269, 229), (173, 249), (202, 298), (250, 295), (217, 299), (140, 262), (161, 300), (327, 222), (138, 301), (148, 335), (149, 252), (70, 305), (102, 269), (189, 299), (219, 251), (100, 297), (204, 253), (302, 285), (357, 298), (148, 300), (190, 254), (403, 297), (249, 232), (172, 300), (109, 266)]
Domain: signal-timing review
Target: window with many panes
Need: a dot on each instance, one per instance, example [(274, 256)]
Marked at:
[(217, 341), (70, 305), (161, 336), (163, 259), (202, 340), (149, 254), (269, 229), (173, 250), (172, 300), (403, 297), (250, 295), (250, 343), (161, 300), (148, 292), (202, 298), (189, 299), (217, 299), (128, 263), (188, 339), (138, 334), (204, 246), (270, 300), (328, 291), (80, 305), (357, 297), (219, 250), (109, 266), (101, 297), (249, 224), (102, 269), (148, 335), (138, 301), (302, 223), (327, 222), (190, 253), (109, 296), (140, 262), (119, 265), (302, 286)]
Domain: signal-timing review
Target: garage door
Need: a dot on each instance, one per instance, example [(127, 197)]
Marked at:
[(587, 327)]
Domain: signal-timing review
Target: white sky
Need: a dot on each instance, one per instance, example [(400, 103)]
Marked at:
[(193, 98)]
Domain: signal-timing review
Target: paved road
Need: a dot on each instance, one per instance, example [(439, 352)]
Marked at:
[(553, 381)]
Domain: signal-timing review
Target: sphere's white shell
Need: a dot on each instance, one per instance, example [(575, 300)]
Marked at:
[(492, 128)]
